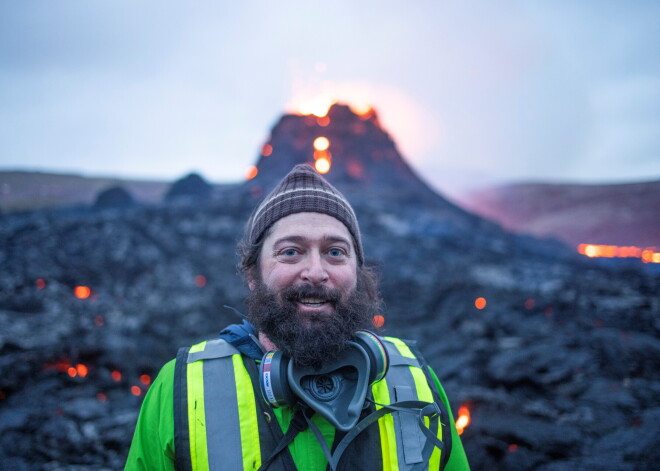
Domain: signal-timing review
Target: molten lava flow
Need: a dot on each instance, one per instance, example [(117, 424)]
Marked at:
[(321, 143), (648, 255), (317, 106), (463, 419), (200, 281), (322, 165), (251, 172), (82, 370), (82, 292)]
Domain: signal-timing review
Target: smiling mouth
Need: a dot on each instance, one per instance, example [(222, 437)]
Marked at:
[(312, 302)]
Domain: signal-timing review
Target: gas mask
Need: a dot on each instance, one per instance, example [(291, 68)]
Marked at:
[(337, 390)]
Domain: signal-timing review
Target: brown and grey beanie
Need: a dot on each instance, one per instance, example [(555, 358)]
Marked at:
[(303, 190)]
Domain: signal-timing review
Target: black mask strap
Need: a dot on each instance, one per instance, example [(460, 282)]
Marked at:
[(298, 424), (422, 409)]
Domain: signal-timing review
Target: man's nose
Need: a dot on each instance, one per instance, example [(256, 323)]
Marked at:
[(314, 270)]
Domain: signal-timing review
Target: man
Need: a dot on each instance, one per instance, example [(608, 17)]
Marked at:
[(311, 300)]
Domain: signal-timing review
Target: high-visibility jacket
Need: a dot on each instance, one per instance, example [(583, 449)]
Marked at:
[(221, 421)]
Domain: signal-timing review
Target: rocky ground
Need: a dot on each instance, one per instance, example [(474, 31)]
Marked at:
[(559, 371)]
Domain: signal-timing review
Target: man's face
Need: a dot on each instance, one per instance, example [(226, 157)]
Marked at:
[(310, 250), (308, 298)]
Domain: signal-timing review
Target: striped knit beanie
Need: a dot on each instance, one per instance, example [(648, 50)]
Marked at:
[(304, 190)]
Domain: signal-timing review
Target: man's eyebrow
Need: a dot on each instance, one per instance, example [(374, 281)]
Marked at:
[(292, 238), (302, 239), (333, 239)]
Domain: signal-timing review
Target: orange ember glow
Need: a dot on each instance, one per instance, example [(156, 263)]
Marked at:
[(363, 110), (323, 121), (480, 303), (323, 154), (136, 391), (322, 165), (266, 150), (355, 169), (82, 292), (251, 172), (648, 255), (116, 375), (321, 143), (72, 372), (200, 281), (317, 106), (463, 419), (145, 379), (378, 321), (82, 370), (40, 282)]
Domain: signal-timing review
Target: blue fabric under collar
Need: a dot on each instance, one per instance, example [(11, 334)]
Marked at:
[(242, 337)]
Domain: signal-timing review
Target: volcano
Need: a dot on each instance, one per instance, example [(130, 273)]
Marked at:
[(357, 155)]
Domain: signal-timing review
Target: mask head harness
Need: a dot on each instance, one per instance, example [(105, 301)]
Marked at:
[(337, 390)]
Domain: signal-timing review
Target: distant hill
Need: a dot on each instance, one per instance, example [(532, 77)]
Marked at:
[(618, 214), (22, 190)]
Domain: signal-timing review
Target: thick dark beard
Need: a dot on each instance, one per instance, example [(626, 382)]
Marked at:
[(325, 336)]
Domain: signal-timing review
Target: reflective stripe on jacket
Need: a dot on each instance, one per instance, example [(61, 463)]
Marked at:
[(221, 421)]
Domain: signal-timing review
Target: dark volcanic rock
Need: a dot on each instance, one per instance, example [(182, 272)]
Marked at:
[(115, 197), (192, 187)]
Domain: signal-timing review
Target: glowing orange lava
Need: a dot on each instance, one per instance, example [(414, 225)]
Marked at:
[(648, 255), (200, 281), (82, 292), (322, 165), (463, 419), (251, 172), (82, 370), (321, 143)]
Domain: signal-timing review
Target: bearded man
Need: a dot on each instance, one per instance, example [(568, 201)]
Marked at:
[(304, 384)]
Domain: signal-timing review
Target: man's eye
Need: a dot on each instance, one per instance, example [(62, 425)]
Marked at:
[(289, 252), (335, 252)]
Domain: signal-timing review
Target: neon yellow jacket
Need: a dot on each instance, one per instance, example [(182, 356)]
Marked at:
[(153, 441)]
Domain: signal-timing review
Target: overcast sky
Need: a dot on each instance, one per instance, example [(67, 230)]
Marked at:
[(472, 92)]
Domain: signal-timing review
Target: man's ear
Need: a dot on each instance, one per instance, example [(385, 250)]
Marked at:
[(249, 276)]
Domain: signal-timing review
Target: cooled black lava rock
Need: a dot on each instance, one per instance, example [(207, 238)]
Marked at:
[(192, 187), (116, 197)]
